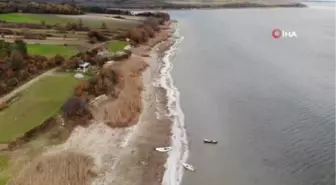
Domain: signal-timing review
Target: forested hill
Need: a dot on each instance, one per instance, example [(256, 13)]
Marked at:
[(175, 3)]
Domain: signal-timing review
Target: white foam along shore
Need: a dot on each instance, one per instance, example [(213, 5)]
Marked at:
[(179, 153)]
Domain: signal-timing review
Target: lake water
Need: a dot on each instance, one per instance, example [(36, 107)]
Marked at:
[(269, 102)]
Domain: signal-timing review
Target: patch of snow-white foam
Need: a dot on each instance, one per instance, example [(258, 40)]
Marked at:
[(179, 153)]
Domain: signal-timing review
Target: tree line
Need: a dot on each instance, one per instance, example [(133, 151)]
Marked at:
[(17, 66), (45, 8)]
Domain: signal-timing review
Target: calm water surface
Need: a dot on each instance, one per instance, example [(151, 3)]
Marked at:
[(270, 103)]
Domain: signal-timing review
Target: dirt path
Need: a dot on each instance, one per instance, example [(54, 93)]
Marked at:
[(26, 85)]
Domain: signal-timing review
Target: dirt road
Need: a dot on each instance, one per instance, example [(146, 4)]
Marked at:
[(26, 85)]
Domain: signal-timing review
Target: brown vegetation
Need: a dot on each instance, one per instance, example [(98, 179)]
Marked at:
[(122, 82), (153, 23), (46, 8), (75, 26), (75, 109), (75, 106), (147, 30), (95, 35), (97, 9), (23, 25), (161, 16), (118, 17), (137, 35), (64, 168), (16, 66), (126, 108)]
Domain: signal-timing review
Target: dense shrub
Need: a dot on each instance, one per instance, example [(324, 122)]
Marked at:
[(75, 107), (15, 68), (32, 69), (98, 9), (149, 30), (161, 16), (46, 8), (58, 59), (81, 87), (99, 60), (137, 35), (152, 22), (9, 73), (71, 63), (3, 88), (6, 31), (75, 26), (97, 35), (23, 75), (16, 59), (34, 36), (12, 82), (5, 48), (21, 46)]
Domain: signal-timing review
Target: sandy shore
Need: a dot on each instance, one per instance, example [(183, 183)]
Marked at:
[(125, 155), (138, 162)]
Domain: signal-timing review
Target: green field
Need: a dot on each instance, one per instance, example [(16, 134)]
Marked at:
[(51, 50), (47, 18), (3, 162), (38, 103), (3, 180), (32, 18), (116, 45)]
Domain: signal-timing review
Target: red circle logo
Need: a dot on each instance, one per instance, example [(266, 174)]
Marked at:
[(276, 33)]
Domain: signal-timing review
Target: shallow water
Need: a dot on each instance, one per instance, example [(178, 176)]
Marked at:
[(269, 102)]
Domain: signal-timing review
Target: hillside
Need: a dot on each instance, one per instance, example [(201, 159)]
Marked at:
[(180, 3)]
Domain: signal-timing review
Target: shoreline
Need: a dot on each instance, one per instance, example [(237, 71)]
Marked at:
[(238, 5), (179, 154), (120, 155), (155, 125)]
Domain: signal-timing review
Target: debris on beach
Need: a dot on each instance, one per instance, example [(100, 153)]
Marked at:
[(79, 75), (189, 167), (163, 149), (143, 162), (210, 141)]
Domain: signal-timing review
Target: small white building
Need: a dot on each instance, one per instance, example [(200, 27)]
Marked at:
[(84, 67)]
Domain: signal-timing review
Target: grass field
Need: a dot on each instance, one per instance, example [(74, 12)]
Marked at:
[(4, 162), (32, 18), (3, 180), (51, 50), (116, 45), (48, 19), (38, 103)]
